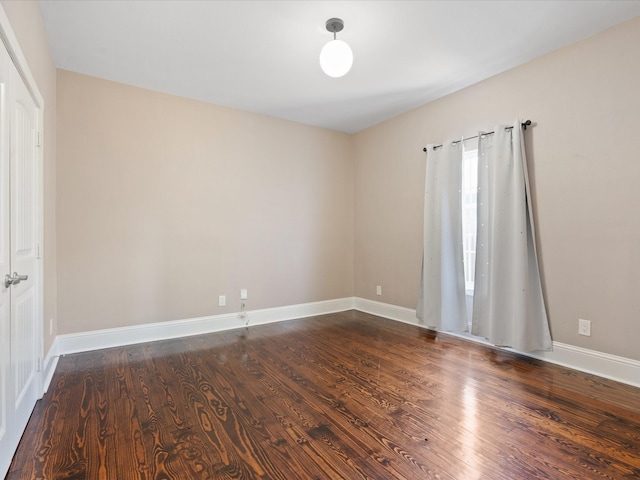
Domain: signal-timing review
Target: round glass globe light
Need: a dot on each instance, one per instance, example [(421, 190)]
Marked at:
[(336, 58)]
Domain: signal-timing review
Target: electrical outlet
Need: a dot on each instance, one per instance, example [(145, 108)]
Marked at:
[(378, 290), (243, 294), (584, 327), (222, 300)]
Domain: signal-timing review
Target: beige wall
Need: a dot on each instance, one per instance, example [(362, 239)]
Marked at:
[(27, 25), (585, 170), (165, 203)]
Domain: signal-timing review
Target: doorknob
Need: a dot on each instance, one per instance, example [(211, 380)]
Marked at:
[(16, 279)]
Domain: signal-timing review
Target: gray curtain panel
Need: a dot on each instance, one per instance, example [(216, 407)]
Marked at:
[(508, 305), (441, 302)]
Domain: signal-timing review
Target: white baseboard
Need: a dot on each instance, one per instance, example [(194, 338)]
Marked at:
[(616, 368), (620, 369), (116, 337), (385, 310), (49, 366)]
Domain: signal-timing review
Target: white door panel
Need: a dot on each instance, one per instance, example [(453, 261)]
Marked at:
[(19, 319), (23, 162), (7, 433)]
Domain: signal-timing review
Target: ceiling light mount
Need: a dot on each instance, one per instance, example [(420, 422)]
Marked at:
[(336, 56), (335, 25)]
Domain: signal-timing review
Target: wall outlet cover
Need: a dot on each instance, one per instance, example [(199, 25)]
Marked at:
[(584, 327)]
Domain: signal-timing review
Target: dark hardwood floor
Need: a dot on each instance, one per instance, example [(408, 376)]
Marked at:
[(341, 396)]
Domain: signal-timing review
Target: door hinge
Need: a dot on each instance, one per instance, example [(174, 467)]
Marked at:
[(39, 364), (38, 139), (38, 251)]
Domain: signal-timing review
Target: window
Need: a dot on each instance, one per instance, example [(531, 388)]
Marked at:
[(469, 215)]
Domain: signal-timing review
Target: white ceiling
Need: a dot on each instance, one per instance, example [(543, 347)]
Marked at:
[(262, 56)]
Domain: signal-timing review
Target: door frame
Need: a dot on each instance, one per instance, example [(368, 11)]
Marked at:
[(8, 37)]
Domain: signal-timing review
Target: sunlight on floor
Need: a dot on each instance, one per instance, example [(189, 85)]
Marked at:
[(469, 418)]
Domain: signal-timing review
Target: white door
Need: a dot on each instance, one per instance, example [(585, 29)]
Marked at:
[(7, 433), (18, 260), (24, 329)]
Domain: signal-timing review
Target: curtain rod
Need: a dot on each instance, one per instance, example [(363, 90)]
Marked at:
[(524, 127)]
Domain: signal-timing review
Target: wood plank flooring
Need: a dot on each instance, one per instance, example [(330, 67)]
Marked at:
[(341, 396)]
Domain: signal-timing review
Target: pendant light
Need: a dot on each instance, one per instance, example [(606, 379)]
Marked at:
[(336, 57)]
